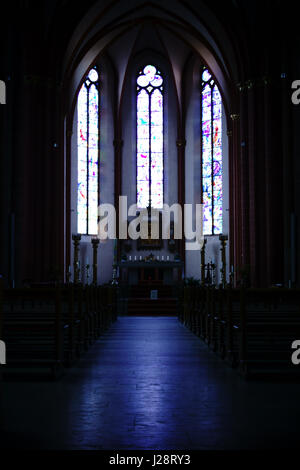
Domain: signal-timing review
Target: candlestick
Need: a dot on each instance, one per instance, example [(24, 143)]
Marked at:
[(76, 239), (203, 261), (223, 239), (114, 281), (79, 272), (95, 244)]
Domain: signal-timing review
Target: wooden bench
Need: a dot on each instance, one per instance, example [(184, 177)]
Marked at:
[(49, 328), (270, 322), (251, 329), (35, 328)]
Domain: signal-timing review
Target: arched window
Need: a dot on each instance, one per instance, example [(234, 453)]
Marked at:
[(150, 144), (211, 155), (88, 154)]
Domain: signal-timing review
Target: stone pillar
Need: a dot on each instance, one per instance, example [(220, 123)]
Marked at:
[(181, 143), (235, 191), (118, 145)]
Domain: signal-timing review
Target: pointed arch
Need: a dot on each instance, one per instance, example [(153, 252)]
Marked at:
[(211, 154), (88, 154), (150, 138)]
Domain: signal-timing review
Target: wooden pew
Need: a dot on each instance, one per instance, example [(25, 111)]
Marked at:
[(252, 329), (220, 323), (232, 320), (270, 322), (34, 328), (49, 328)]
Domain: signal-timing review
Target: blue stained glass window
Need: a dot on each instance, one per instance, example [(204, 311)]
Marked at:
[(150, 138), (211, 155), (88, 154)]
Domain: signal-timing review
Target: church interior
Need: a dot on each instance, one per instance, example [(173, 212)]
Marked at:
[(117, 116)]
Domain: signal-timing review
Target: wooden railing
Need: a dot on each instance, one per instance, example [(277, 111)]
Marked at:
[(251, 329)]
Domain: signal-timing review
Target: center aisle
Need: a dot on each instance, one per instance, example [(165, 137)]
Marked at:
[(149, 383)]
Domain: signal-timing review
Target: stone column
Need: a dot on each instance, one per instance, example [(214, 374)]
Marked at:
[(181, 143)]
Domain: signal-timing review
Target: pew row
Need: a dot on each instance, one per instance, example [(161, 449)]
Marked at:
[(251, 329), (48, 329)]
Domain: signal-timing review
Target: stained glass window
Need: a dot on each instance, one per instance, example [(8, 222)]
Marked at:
[(211, 121), (150, 138), (88, 154)]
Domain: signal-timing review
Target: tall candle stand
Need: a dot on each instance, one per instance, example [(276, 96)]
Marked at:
[(95, 243), (114, 281), (76, 239), (203, 261), (223, 239), (210, 273)]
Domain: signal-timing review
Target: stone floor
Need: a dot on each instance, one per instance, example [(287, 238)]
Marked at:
[(149, 383)]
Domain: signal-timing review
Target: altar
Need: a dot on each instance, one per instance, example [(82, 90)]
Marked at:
[(154, 272)]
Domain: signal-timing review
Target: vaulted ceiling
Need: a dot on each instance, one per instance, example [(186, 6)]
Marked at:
[(172, 28)]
